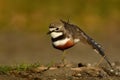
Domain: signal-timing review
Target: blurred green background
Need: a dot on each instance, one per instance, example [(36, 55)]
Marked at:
[(24, 24)]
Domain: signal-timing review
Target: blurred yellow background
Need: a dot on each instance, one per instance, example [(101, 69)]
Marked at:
[(24, 24)]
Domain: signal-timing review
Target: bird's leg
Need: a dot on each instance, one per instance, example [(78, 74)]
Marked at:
[(63, 57), (100, 61), (104, 57)]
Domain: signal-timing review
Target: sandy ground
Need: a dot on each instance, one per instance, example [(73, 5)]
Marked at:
[(65, 72)]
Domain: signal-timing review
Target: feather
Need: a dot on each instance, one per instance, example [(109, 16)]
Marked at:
[(76, 32)]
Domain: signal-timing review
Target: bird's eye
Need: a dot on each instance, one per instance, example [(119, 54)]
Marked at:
[(57, 28)]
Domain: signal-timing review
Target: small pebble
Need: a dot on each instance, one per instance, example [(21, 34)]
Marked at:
[(89, 65), (113, 64), (79, 74), (116, 73), (111, 70)]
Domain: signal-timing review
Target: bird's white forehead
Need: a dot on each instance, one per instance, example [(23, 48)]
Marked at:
[(53, 28)]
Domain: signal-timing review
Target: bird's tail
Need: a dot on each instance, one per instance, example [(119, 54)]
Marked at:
[(97, 47)]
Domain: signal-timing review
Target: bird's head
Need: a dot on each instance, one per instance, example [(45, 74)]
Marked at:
[(56, 29)]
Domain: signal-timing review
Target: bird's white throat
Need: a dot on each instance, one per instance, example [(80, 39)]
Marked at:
[(56, 34)]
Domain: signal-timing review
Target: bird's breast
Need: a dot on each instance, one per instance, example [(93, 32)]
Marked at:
[(63, 44)]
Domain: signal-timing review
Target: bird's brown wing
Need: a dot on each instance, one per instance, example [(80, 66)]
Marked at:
[(76, 32)]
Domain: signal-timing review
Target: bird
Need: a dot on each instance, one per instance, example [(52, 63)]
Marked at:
[(65, 35)]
